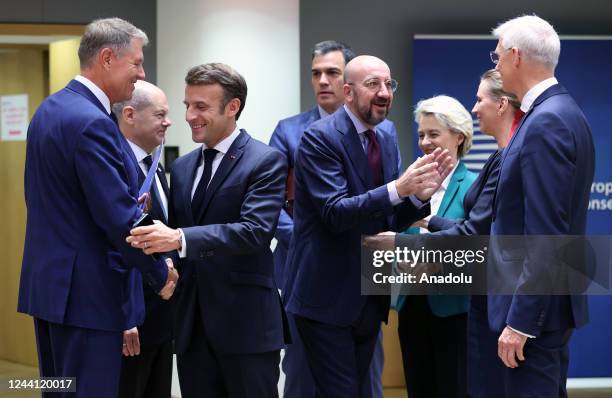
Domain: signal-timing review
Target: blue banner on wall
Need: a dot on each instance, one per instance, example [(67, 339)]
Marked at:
[(452, 66)]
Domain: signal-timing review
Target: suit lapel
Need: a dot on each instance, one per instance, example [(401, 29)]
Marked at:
[(193, 161), (353, 146), (388, 153), (451, 190), (230, 159)]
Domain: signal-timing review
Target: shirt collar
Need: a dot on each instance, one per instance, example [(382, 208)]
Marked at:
[(224, 145), (97, 91), (322, 112), (138, 151), (535, 91)]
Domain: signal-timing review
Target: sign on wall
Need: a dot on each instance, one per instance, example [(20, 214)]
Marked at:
[(14, 117)]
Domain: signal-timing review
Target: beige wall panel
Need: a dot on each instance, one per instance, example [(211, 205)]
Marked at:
[(63, 63), (393, 373), (22, 71)]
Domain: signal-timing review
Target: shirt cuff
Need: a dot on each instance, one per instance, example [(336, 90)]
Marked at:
[(394, 197), (182, 252), (521, 333)]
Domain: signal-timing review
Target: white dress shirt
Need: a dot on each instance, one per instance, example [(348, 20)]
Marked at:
[(97, 91), (222, 147), (436, 198), (535, 91), (140, 154)]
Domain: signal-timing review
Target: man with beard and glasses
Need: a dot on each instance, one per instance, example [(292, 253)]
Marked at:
[(348, 184), (329, 59)]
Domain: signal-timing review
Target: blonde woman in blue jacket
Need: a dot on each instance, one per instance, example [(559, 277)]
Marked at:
[(433, 329)]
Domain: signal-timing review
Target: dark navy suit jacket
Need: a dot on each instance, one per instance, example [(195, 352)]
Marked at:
[(157, 326), (81, 189), (477, 204), (229, 269), (543, 189), (335, 204), (285, 138)]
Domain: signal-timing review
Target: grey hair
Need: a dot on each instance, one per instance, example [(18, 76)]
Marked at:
[(535, 37), (114, 33), (450, 113), (141, 98)]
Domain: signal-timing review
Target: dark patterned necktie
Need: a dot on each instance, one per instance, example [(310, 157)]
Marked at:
[(374, 160)]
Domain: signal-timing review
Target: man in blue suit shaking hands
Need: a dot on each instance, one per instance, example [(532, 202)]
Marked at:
[(79, 277), (543, 189), (347, 184), (225, 198)]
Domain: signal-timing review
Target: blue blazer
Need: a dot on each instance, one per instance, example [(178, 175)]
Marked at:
[(335, 204), (81, 188), (228, 272), (477, 204), (285, 138), (543, 189)]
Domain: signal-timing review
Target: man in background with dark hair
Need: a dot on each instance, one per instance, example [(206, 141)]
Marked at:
[(146, 369), (327, 76), (225, 197)]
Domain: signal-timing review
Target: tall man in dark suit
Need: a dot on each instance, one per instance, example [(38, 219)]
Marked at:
[(225, 197), (78, 279), (329, 59), (146, 369), (543, 189), (347, 184)]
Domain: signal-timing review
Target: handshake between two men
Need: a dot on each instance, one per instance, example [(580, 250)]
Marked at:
[(422, 178), (158, 238)]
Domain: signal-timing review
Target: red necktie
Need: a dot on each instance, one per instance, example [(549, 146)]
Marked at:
[(374, 160), (518, 115)]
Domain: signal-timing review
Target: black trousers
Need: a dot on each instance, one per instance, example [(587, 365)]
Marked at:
[(205, 373), (339, 357), (148, 375), (434, 351)]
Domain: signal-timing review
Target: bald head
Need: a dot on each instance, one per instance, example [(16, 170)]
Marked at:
[(368, 89), (143, 119), (362, 65)]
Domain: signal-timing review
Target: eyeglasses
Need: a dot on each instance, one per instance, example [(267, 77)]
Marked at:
[(495, 56), (375, 85)]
